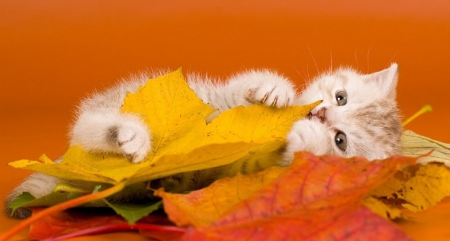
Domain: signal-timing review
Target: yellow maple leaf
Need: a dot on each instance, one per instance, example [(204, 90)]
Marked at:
[(182, 139)]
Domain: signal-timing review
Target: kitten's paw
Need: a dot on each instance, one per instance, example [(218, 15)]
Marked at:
[(306, 135), (19, 213), (272, 93), (133, 141)]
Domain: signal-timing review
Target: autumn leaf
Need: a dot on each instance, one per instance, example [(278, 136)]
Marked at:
[(418, 187), (338, 223), (429, 185), (416, 145), (312, 193), (384, 209), (415, 187), (182, 140), (202, 207)]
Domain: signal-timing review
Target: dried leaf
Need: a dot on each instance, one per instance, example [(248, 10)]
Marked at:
[(385, 210), (395, 183), (417, 188), (429, 186), (415, 145)]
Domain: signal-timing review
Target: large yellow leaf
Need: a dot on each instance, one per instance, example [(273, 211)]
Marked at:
[(182, 139), (173, 113)]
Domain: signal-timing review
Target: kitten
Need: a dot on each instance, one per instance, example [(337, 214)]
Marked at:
[(358, 117)]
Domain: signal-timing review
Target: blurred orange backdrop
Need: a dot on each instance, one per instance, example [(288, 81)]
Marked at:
[(52, 53)]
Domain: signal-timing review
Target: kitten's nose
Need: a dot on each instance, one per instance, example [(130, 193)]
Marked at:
[(321, 114)]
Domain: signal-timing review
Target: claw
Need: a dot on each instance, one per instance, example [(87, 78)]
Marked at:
[(265, 97), (275, 100), (250, 93), (287, 103), (129, 156)]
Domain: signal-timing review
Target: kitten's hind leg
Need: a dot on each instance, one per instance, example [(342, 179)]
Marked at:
[(113, 133), (37, 184)]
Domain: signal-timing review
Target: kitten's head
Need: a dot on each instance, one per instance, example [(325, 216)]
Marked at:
[(358, 115)]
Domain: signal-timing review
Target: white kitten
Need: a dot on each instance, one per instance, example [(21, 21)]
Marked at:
[(358, 116)]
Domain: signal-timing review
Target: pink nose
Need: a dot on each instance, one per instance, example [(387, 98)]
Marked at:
[(321, 114)]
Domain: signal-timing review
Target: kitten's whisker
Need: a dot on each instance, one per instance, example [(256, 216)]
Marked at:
[(356, 57), (331, 60), (368, 66), (315, 63), (307, 70), (391, 60)]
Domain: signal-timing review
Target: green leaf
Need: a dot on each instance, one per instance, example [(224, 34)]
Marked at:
[(27, 200), (21, 200), (133, 212)]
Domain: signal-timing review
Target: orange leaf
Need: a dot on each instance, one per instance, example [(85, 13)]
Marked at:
[(339, 223), (319, 195), (200, 208)]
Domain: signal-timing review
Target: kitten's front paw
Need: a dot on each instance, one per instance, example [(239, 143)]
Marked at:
[(277, 93), (133, 141), (306, 135)]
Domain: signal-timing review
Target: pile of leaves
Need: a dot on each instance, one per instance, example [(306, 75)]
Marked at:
[(315, 198)]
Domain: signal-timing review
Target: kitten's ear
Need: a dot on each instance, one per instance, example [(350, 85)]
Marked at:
[(386, 80)]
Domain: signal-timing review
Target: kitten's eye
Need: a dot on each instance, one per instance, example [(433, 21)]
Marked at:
[(341, 140), (341, 97)]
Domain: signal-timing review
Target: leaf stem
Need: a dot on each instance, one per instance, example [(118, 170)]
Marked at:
[(61, 207), (423, 110)]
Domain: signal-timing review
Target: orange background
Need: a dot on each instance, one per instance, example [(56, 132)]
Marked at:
[(52, 53)]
